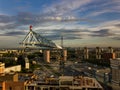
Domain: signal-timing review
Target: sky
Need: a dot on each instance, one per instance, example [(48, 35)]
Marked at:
[(82, 23)]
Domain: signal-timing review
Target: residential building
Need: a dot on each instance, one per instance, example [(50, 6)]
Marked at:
[(115, 70)]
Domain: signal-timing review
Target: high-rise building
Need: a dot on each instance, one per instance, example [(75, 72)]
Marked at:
[(86, 53), (108, 56), (64, 55), (117, 54), (98, 53), (110, 50), (27, 65), (47, 56), (115, 69), (2, 67)]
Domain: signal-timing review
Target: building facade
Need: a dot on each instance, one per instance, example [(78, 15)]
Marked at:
[(2, 67), (115, 69)]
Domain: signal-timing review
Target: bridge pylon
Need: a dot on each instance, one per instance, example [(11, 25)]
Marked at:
[(35, 40)]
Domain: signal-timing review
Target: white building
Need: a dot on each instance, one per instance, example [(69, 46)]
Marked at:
[(16, 68), (27, 66)]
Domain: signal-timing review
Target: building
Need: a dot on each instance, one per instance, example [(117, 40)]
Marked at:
[(27, 65), (110, 50), (115, 69), (47, 56), (86, 53), (98, 53), (2, 67), (108, 56), (65, 55), (64, 83), (16, 68), (10, 82), (117, 54)]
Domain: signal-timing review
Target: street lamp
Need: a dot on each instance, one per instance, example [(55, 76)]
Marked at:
[(89, 68), (93, 72), (105, 77)]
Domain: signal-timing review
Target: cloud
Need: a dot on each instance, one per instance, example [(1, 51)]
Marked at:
[(116, 38), (67, 34), (101, 7), (5, 19), (103, 33), (117, 25), (13, 33), (7, 22), (65, 6)]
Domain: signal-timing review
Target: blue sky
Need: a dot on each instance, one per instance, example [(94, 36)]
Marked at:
[(81, 22)]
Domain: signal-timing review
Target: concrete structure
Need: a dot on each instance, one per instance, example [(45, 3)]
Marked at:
[(10, 85), (64, 55), (86, 53), (2, 67), (108, 56), (11, 82), (117, 54), (47, 56), (10, 58), (64, 83), (110, 50), (16, 68), (3, 51), (115, 69), (98, 53), (27, 65)]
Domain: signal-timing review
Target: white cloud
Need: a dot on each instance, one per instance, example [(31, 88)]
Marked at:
[(66, 6)]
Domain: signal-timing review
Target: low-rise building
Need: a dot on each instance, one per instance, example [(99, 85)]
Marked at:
[(16, 68), (3, 69), (11, 82), (108, 56), (64, 83)]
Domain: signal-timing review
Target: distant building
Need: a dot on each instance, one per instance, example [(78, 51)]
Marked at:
[(117, 54), (115, 69), (27, 65), (3, 51), (16, 68), (47, 56), (110, 50), (98, 53), (64, 54), (2, 67), (86, 53), (108, 56)]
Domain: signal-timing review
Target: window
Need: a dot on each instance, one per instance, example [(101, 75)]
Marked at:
[(10, 88)]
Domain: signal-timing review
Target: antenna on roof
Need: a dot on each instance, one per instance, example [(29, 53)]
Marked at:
[(62, 41)]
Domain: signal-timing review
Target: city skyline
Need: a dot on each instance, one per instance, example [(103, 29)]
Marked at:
[(88, 23)]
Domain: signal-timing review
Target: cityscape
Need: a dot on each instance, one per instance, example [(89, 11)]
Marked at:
[(59, 45)]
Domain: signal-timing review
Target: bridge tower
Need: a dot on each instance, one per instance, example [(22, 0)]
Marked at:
[(34, 40)]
